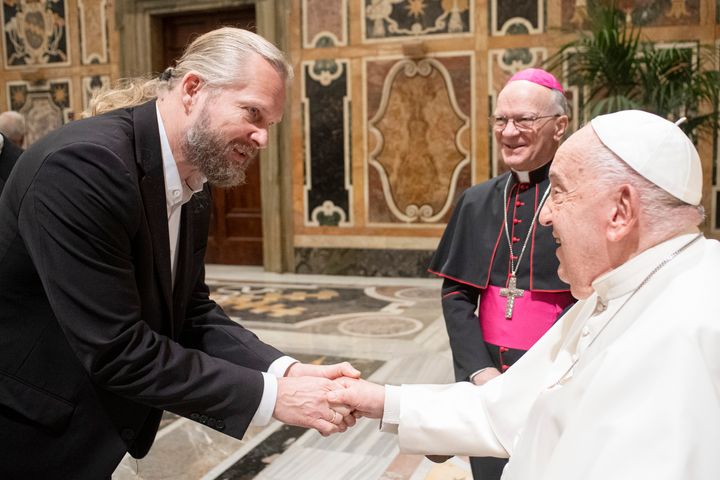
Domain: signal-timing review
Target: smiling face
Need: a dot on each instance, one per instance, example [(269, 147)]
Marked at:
[(578, 211), (526, 150), (230, 124)]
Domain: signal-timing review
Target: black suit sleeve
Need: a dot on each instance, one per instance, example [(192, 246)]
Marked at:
[(208, 328), (80, 220), (459, 304)]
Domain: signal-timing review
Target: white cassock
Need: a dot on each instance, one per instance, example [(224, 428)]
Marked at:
[(642, 401)]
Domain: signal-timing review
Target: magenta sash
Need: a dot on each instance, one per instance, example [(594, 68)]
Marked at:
[(533, 315)]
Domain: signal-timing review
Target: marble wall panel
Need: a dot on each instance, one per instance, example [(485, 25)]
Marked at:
[(35, 33), (91, 85), (92, 16), (419, 131), (363, 262), (45, 106), (644, 13), (716, 210), (326, 105), (517, 17), (388, 19), (324, 23)]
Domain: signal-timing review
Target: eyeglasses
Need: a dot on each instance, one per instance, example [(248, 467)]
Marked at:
[(526, 122)]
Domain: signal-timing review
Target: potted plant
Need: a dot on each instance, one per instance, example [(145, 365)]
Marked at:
[(617, 69)]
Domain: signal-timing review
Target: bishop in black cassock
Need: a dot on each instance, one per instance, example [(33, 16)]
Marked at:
[(492, 316)]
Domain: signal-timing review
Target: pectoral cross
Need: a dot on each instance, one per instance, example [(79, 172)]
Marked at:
[(511, 292)]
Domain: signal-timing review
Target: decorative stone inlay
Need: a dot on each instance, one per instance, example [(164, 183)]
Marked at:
[(417, 165), (418, 294), (324, 23), (385, 326), (35, 33)]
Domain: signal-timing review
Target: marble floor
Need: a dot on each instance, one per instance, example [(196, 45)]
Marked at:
[(389, 328)]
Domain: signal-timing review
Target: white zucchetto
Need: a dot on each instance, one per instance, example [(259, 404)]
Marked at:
[(655, 148)]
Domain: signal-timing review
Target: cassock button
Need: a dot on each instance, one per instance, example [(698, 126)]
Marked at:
[(519, 203), (220, 425), (516, 221), (585, 331), (515, 239)]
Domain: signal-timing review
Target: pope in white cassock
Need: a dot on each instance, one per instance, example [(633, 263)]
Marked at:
[(626, 385)]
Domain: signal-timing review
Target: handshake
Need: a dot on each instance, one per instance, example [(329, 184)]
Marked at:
[(328, 398)]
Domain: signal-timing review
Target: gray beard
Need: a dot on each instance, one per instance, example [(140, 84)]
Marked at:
[(206, 150)]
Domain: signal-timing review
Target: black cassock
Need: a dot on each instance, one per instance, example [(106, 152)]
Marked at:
[(473, 255)]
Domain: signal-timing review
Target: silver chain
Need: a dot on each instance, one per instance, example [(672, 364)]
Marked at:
[(513, 267), (642, 284)]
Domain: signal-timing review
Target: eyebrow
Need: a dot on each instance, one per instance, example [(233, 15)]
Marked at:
[(554, 178)]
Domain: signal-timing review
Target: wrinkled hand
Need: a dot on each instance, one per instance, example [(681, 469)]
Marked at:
[(485, 376), (332, 372), (302, 401), (367, 399)]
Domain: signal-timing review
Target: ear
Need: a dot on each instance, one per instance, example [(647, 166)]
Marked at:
[(624, 213), (190, 85), (561, 124)]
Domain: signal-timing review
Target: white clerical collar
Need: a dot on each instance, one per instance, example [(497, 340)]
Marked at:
[(176, 191), (523, 177), (629, 275)]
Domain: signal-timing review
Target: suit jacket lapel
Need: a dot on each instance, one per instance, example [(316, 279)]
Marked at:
[(152, 185)]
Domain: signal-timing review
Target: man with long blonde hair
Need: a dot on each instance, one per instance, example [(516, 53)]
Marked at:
[(105, 317)]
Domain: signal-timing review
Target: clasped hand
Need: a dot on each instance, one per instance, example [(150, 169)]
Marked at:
[(302, 397)]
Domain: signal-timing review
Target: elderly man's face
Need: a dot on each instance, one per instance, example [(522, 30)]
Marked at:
[(232, 124), (531, 148), (577, 210)]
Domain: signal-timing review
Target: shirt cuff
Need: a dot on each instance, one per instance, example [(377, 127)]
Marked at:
[(280, 366), (391, 411), (267, 403)]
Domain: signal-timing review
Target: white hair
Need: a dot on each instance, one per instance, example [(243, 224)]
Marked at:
[(662, 213), (12, 124), (560, 101)]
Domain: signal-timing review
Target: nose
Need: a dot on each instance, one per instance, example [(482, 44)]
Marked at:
[(260, 137), (545, 217), (508, 130)]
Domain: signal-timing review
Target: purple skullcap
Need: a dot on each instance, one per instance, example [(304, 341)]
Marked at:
[(539, 76)]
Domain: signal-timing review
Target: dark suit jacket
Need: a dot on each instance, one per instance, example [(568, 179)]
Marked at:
[(8, 156), (94, 340)]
